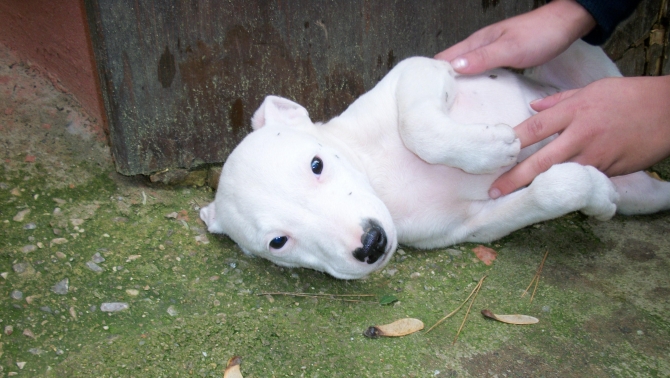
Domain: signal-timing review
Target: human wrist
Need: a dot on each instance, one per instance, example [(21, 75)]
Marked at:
[(579, 22)]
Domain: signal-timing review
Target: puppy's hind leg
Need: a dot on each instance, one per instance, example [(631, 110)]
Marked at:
[(562, 189), (641, 194), (425, 92)]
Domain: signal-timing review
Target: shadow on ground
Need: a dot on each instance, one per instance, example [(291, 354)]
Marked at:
[(76, 237)]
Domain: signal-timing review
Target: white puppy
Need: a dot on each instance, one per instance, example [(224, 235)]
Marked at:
[(409, 162)]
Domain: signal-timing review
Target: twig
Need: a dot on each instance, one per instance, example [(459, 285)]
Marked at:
[(536, 279), (317, 294), (324, 296), (476, 291), (458, 308)]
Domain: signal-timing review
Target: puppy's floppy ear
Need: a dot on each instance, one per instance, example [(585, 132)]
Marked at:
[(208, 215), (278, 110)]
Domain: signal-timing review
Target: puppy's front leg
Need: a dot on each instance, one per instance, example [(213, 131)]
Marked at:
[(425, 91)]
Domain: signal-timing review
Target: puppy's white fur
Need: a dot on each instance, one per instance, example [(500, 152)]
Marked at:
[(416, 155)]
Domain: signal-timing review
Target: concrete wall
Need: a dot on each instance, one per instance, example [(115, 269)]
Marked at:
[(53, 36)]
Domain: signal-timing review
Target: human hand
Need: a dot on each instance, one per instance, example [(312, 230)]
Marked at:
[(523, 41), (617, 125)]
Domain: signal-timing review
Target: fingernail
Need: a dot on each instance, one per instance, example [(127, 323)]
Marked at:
[(494, 193), (535, 101), (459, 63)]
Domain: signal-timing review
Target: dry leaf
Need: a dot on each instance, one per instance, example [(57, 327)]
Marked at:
[(511, 319), (400, 327), (183, 215), (486, 254), (233, 368)]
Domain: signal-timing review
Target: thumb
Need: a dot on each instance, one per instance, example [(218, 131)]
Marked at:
[(482, 59)]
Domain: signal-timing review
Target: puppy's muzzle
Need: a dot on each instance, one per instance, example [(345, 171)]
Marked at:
[(374, 242)]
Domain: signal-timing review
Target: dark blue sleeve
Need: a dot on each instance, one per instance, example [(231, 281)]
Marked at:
[(608, 14)]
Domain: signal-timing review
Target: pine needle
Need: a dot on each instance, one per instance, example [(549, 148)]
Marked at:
[(475, 291), (536, 279), (458, 308), (324, 296)]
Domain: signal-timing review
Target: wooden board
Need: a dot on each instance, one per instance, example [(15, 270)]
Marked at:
[(181, 79)]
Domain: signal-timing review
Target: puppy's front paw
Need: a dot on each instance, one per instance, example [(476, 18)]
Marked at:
[(493, 147)]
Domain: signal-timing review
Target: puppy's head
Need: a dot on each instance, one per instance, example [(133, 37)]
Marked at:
[(288, 194)]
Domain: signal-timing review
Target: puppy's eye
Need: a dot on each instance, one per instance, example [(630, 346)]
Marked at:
[(317, 165), (278, 242)]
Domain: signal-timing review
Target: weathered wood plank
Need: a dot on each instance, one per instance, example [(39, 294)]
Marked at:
[(182, 78)]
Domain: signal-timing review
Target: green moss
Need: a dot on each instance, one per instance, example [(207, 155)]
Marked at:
[(216, 310)]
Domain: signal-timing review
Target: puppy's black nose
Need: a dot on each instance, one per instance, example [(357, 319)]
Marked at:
[(374, 243)]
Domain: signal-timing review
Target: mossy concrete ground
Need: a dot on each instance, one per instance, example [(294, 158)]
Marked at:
[(194, 301)]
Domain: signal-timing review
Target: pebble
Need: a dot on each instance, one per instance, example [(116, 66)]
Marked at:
[(57, 211), (391, 272), (61, 255), (30, 226), (454, 252), (172, 311), (114, 306), (415, 275), (20, 267), (62, 287), (202, 239), (132, 292), (4, 275), (77, 222), (31, 298), (46, 309), (35, 351), (58, 241), (16, 295), (28, 333), (40, 245), (21, 365), (21, 215), (97, 258), (29, 248), (9, 330), (93, 266)]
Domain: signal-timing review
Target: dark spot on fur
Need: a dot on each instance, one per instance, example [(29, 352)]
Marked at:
[(492, 76)]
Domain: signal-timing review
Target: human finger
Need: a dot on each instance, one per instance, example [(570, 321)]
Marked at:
[(542, 125), (474, 41), (495, 54), (526, 171), (549, 101)]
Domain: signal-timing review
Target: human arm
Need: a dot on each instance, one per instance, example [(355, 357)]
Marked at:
[(617, 125)]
